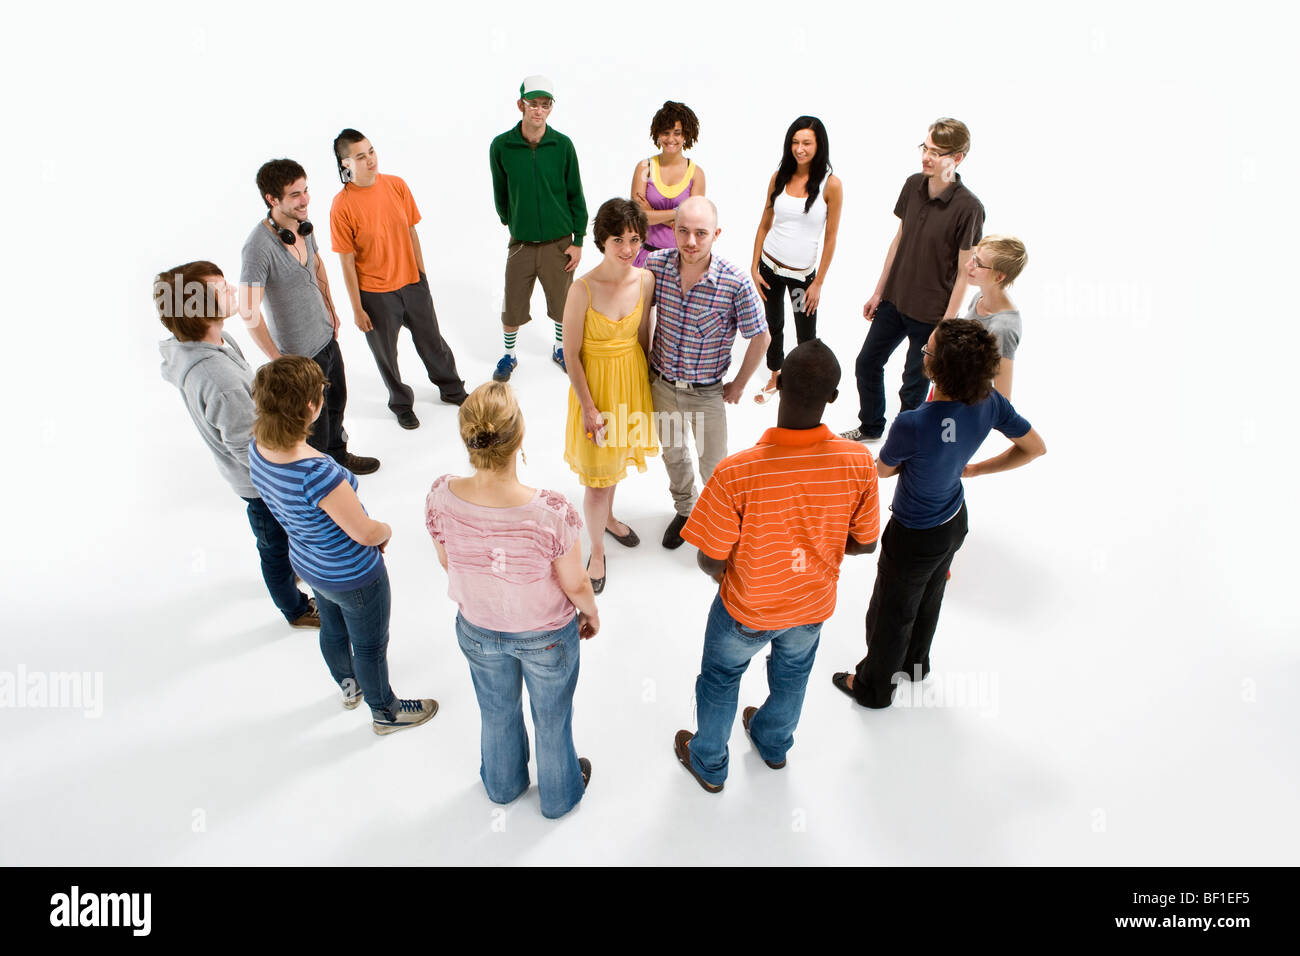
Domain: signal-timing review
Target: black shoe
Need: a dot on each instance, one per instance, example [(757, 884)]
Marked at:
[(598, 584), (585, 766), (673, 536), (408, 420), (682, 747), (359, 464), (745, 717), (841, 680), (629, 540)]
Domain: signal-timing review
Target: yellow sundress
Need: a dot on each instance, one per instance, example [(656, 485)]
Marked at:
[(619, 381)]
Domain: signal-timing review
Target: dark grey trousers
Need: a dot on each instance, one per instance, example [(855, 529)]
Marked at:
[(410, 306)]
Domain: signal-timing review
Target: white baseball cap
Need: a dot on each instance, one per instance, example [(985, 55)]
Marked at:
[(536, 86)]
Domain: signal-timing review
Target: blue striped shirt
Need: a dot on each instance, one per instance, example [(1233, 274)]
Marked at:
[(319, 550)]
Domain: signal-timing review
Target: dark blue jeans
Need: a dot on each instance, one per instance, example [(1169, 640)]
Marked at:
[(273, 546), (728, 647), (354, 641), (888, 328), (327, 432)]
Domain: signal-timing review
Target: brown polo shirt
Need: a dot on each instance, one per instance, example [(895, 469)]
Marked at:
[(934, 231)]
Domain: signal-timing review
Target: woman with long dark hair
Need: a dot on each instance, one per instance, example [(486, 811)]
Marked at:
[(804, 199)]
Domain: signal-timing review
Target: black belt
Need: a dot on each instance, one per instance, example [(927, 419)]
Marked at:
[(676, 384)]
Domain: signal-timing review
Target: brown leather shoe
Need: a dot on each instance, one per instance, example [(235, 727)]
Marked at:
[(309, 617), (682, 747), (745, 717), (360, 464)]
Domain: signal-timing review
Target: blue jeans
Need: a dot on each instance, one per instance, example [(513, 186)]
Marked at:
[(547, 661), (277, 572), (888, 328), (354, 641), (728, 646)]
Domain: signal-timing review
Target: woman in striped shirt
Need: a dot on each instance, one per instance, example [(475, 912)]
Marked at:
[(334, 546)]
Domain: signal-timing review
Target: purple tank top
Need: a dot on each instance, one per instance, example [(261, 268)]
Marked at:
[(660, 235)]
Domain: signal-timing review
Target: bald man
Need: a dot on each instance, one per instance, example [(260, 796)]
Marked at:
[(702, 302)]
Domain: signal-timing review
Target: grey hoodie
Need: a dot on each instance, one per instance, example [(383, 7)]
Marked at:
[(217, 385)]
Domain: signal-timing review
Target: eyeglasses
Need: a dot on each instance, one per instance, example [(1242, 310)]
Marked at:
[(932, 152), (975, 261), (925, 350), (541, 106)]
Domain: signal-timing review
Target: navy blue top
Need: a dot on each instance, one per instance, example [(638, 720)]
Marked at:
[(932, 444), (319, 550)]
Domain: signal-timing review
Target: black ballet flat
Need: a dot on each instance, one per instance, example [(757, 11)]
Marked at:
[(598, 584), (629, 540)]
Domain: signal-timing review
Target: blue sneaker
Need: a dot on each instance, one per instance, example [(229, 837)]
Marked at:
[(557, 356), (504, 368)]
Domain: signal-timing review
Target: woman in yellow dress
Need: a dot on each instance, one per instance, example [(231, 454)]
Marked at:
[(611, 418)]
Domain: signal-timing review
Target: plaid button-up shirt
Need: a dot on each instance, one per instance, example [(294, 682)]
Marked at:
[(694, 331)]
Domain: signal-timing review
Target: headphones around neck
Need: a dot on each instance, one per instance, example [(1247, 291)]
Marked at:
[(287, 236)]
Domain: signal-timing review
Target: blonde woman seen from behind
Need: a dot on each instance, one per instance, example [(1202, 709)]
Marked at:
[(514, 569)]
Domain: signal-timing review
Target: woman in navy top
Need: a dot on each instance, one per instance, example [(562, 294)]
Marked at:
[(930, 448), (334, 546)]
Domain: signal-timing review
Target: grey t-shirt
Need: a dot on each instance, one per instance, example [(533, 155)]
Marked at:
[(1005, 327), (292, 303)]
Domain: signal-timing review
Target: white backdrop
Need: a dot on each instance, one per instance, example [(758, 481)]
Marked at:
[(1125, 600)]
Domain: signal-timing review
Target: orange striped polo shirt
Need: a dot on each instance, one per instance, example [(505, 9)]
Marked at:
[(780, 514)]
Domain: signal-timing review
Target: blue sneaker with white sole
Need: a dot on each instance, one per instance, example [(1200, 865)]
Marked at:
[(504, 368), (557, 356)]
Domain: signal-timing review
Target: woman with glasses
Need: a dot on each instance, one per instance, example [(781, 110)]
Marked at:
[(661, 183), (997, 261), (802, 210)]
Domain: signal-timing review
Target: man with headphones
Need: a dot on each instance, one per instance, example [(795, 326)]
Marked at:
[(281, 264), (372, 228)]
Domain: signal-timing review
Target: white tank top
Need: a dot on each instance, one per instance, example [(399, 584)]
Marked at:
[(795, 234)]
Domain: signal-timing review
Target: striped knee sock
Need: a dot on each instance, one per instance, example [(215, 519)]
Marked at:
[(510, 342), (559, 332)]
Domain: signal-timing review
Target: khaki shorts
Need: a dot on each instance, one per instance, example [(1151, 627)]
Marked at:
[(525, 263)]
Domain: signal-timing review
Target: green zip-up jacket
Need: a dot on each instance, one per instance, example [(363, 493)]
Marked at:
[(538, 191)]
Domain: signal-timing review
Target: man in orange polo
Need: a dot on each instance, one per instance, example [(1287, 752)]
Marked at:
[(372, 228), (772, 525)]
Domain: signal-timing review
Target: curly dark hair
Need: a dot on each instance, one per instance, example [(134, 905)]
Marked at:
[(615, 217), (668, 116), (965, 360)]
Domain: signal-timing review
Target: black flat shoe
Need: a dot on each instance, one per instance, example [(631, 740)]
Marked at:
[(673, 534), (629, 540), (598, 584), (585, 766), (841, 680)]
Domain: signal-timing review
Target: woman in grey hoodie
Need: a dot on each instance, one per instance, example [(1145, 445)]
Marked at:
[(216, 383)]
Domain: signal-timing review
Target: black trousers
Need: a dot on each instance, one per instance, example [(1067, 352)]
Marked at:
[(904, 610), (805, 324), (410, 306), (327, 433)]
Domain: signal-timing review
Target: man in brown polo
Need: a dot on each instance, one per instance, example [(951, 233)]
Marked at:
[(924, 277)]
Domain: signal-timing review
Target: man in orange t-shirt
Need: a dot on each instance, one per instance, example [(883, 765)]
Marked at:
[(772, 525), (372, 228)]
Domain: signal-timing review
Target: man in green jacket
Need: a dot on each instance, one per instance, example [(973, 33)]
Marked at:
[(538, 194)]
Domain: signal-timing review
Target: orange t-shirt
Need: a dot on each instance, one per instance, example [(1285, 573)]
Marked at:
[(374, 223), (780, 514)]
